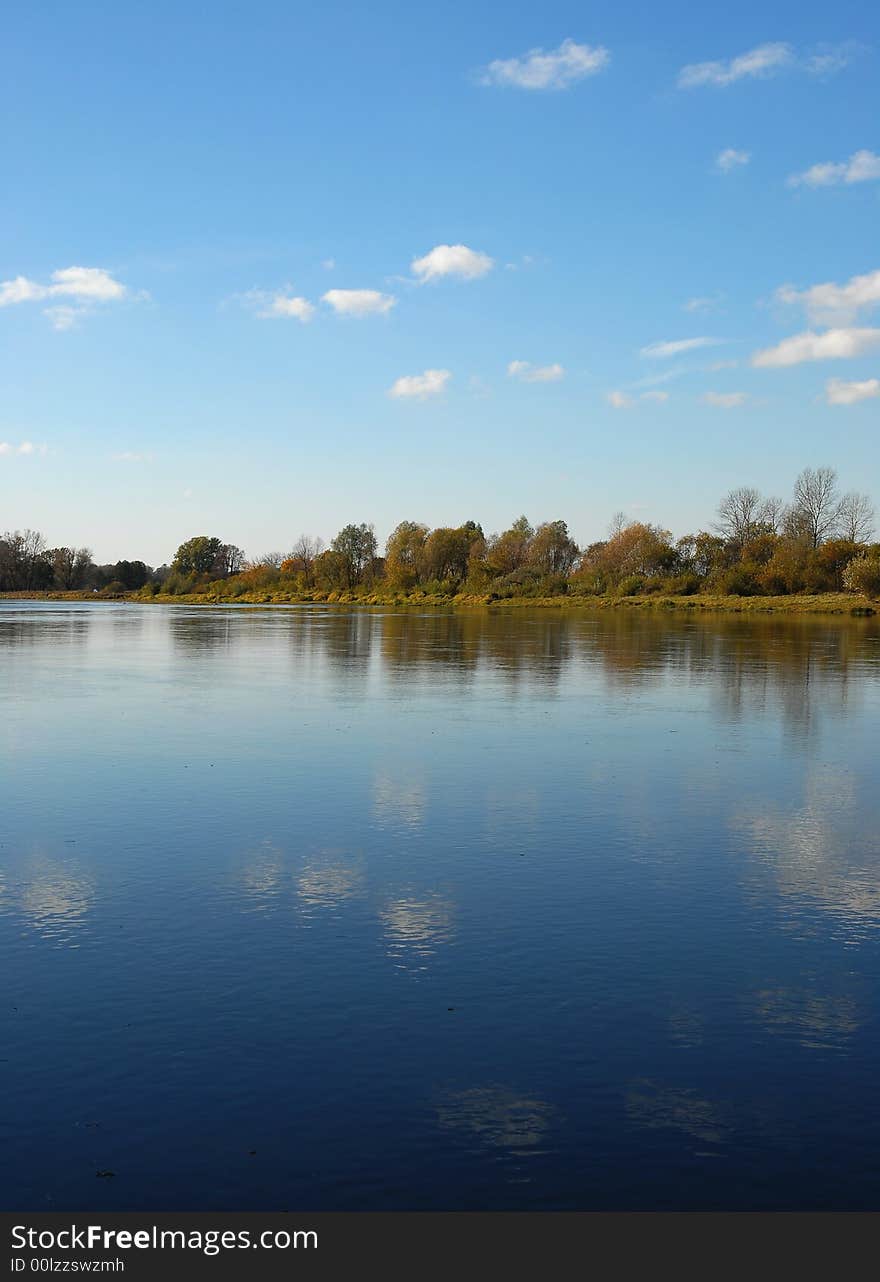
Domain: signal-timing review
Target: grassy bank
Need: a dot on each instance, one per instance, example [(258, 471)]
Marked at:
[(828, 603)]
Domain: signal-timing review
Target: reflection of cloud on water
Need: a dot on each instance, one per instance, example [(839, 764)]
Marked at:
[(659, 1107), (825, 851), (498, 1117), (261, 877), (398, 800), (813, 1020), (325, 878), (53, 897), (328, 880), (415, 928), (686, 1027)]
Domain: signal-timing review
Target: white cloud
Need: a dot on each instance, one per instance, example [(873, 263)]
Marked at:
[(130, 456), (862, 166), (730, 159), (26, 448), (359, 302), (761, 61), (529, 373), (420, 386), (834, 344), (542, 69), (86, 285), (619, 400), (659, 397), (328, 264), (281, 306), (451, 260), (726, 400), (716, 365), (830, 303), (837, 392), (661, 351)]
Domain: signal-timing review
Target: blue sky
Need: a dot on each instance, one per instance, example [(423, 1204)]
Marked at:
[(660, 175)]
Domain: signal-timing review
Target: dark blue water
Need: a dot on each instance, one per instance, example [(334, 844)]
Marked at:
[(323, 909)]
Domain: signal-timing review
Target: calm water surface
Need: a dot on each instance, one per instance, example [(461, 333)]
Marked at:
[(320, 909)]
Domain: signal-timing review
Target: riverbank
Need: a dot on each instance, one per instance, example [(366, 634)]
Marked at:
[(826, 603)]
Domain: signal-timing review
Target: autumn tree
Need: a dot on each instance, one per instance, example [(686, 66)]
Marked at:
[(552, 550), (447, 551), (302, 556), (509, 550), (405, 553)]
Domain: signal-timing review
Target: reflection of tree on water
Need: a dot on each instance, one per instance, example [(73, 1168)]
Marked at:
[(498, 1117), (44, 627), (462, 642)]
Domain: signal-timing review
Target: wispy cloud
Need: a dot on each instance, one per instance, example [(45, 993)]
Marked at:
[(862, 166), (676, 346), (359, 302), (547, 69), (132, 456), (766, 60), (832, 345), (837, 392), (451, 260), (830, 303), (703, 303), (526, 372), (420, 387), (619, 400), (730, 159), (761, 61), (725, 400), (24, 449)]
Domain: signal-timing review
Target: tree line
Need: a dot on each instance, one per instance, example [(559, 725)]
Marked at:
[(818, 541)]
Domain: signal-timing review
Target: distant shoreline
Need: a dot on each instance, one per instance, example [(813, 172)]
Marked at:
[(839, 604)]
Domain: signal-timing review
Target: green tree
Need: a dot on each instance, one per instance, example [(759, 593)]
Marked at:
[(355, 546), (198, 555)]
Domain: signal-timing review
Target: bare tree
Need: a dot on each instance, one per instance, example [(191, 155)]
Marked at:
[(855, 518), (305, 552), (69, 566), (815, 504), (739, 514), (771, 514), (618, 524)]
